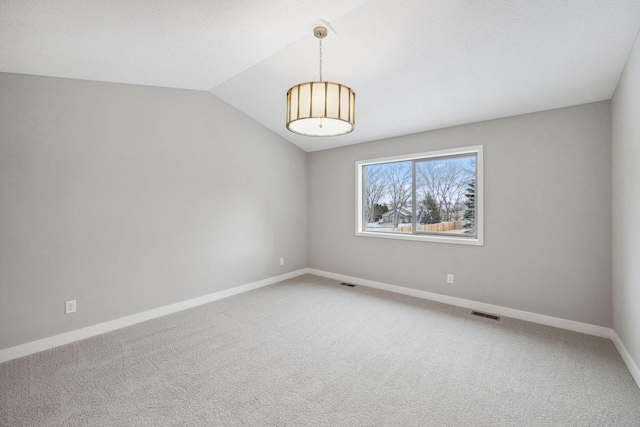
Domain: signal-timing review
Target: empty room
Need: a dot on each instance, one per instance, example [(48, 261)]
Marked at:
[(319, 213)]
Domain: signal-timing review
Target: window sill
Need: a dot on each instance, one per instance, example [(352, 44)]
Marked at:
[(473, 241)]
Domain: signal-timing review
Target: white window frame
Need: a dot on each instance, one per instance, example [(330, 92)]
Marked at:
[(477, 240)]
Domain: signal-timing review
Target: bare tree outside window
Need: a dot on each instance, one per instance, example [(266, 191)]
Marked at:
[(446, 180), (398, 179), (374, 189)]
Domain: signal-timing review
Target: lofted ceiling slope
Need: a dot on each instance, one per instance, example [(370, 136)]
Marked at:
[(415, 65)]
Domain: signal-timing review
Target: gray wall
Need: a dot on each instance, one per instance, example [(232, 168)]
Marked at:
[(547, 216), (128, 198), (626, 206)]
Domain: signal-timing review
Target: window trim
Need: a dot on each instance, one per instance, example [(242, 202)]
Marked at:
[(478, 240)]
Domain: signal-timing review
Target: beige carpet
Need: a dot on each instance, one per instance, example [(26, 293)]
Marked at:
[(310, 352)]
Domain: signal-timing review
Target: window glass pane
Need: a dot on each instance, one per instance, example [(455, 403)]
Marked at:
[(445, 195), (387, 191), (431, 197)]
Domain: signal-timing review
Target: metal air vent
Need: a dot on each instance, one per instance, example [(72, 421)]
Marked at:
[(485, 315)]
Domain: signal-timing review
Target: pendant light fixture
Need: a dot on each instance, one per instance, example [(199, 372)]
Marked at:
[(320, 108)]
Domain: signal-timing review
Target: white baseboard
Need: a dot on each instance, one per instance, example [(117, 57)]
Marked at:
[(101, 328), (571, 325), (628, 360)]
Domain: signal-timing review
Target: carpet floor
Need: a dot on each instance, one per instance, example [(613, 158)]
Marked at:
[(309, 352)]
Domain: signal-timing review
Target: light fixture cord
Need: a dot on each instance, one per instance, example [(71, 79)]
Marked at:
[(320, 59)]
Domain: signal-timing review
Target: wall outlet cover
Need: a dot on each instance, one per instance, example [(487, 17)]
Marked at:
[(70, 307)]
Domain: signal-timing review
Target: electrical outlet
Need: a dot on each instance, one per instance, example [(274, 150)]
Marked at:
[(449, 278), (281, 261), (70, 307)]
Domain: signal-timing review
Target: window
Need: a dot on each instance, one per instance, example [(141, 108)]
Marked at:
[(433, 196)]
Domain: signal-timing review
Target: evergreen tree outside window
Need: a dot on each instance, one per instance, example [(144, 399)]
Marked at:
[(429, 211), (470, 213)]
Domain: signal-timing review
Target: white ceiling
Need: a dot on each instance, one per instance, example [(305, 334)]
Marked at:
[(415, 65)]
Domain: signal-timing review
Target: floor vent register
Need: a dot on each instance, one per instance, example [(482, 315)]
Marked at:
[(485, 315)]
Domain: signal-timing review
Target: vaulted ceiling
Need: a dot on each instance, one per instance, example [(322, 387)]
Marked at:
[(415, 65)]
